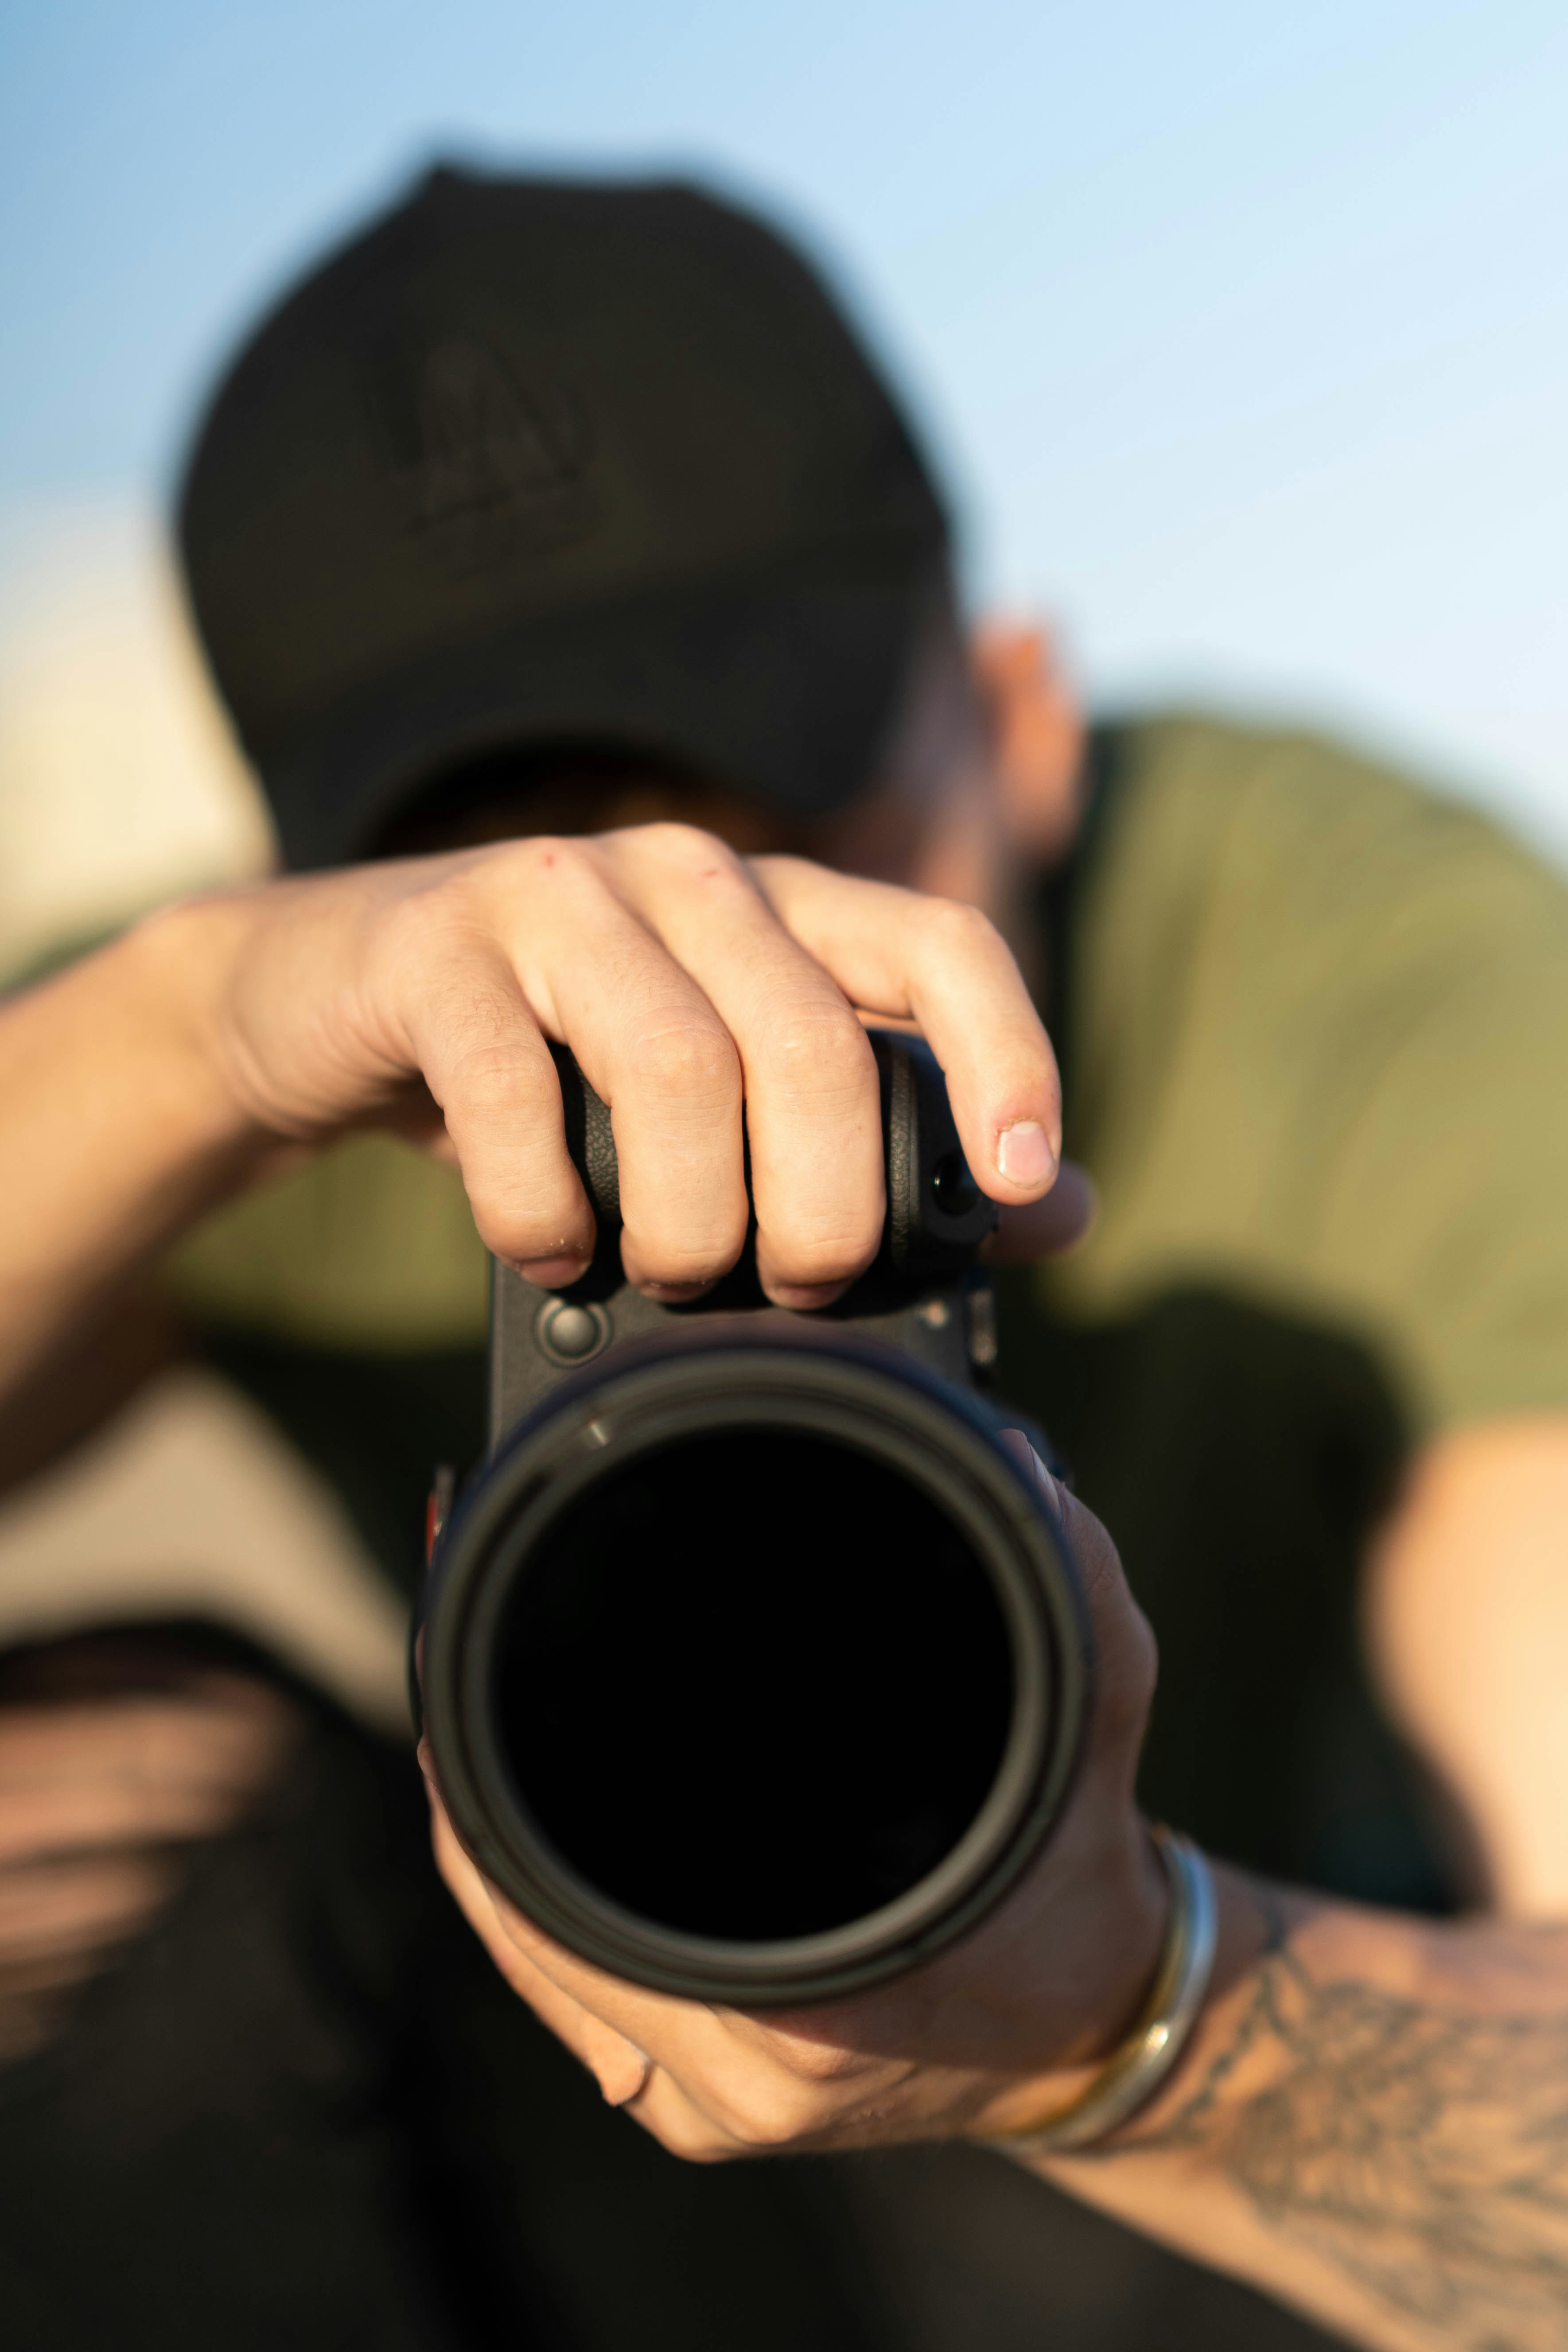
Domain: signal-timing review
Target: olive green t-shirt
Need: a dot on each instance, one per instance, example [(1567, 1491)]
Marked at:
[(1314, 1028), (1318, 1052)]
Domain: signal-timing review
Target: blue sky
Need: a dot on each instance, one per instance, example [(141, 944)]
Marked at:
[(1243, 333)]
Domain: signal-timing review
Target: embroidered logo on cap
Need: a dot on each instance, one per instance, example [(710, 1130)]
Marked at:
[(501, 469)]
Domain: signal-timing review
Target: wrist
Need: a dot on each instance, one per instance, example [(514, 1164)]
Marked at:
[(1146, 2056), (1248, 1920), (1094, 1954), (123, 1128), (178, 968), (1216, 1934)]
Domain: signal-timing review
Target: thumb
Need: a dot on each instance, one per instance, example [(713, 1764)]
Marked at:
[(1045, 1228)]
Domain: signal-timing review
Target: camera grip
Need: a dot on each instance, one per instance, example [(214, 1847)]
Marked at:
[(590, 1139), (937, 1215)]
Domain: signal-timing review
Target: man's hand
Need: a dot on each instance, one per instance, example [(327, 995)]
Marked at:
[(1367, 2122), (687, 981), (1008, 2022), (151, 1080)]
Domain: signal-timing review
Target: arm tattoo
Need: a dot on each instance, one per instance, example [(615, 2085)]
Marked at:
[(1421, 2150)]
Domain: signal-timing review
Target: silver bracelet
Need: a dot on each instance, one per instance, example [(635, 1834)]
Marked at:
[(1135, 2072)]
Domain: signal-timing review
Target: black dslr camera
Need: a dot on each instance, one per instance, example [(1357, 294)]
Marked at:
[(752, 1666)]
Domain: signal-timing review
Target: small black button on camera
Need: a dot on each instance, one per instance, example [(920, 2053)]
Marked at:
[(570, 1333), (953, 1189)]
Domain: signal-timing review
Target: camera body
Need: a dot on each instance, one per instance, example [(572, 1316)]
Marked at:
[(751, 1665)]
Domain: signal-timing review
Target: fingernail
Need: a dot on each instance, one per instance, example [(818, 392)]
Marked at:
[(801, 1297), (1025, 1154), (553, 1273), (673, 1294)]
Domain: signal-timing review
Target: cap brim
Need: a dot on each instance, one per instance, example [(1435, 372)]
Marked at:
[(782, 688)]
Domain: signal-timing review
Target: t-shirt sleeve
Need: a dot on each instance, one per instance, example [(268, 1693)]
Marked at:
[(1323, 1052)]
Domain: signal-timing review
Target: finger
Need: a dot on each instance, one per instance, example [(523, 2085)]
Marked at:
[(752, 2086), (707, 2082), (471, 1031), (812, 1115), (716, 2077), (1093, 1550), (617, 2065), (1039, 1477), (943, 965), (668, 2114), (1125, 1657), (1045, 1228), (620, 2068), (652, 1045), (683, 2039)]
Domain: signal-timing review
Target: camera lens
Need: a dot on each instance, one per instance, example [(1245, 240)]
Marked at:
[(753, 1686), (753, 1670)]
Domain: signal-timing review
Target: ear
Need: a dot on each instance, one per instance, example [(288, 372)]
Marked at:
[(1036, 735)]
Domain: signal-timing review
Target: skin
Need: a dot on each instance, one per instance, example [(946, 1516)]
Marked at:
[(227, 1038), (1425, 2047), (418, 995), (1369, 2120)]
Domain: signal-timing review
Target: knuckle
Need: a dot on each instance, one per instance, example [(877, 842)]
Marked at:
[(772, 2114), (556, 858), (431, 945), (821, 1049), (408, 933), (691, 1057), (482, 1055), (812, 2060), (954, 928), (700, 854), (488, 890), (481, 1069)]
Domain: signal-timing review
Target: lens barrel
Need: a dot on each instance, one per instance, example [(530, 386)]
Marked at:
[(753, 1666)]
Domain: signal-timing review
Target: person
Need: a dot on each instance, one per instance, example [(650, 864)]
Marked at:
[(462, 573)]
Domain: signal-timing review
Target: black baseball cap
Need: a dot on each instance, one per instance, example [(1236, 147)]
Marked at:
[(547, 463)]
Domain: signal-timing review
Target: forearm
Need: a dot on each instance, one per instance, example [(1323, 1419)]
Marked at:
[(118, 1126), (1372, 2124)]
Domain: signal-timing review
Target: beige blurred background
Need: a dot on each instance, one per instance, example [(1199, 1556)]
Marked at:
[(121, 786), (121, 783)]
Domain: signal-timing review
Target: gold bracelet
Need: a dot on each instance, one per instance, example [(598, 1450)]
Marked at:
[(1135, 2072)]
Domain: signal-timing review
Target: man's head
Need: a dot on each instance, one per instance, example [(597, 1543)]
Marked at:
[(551, 504)]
